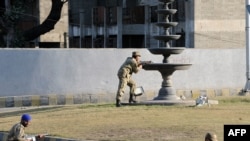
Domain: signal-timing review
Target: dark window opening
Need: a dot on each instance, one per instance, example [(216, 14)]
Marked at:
[(133, 41), (49, 45)]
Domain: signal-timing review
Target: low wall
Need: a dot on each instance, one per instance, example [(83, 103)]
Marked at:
[(92, 72), (4, 135)]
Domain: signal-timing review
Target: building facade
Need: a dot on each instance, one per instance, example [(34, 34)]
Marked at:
[(117, 23), (132, 24)]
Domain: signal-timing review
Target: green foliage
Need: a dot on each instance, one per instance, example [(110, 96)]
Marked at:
[(13, 15), (18, 41), (11, 20)]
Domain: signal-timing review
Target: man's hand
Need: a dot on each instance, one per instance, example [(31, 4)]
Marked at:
[(39, 136), (142, 63), (140, 66), (31, 139)]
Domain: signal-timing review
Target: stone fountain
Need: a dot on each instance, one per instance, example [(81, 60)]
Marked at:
[(166, 93)]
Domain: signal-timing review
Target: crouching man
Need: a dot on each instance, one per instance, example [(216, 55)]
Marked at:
[(16, 133), (130, 66)]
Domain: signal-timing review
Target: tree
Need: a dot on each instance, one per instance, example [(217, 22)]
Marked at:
[(11, 14)]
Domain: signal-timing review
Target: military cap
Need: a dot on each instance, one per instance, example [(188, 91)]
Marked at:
[(136, 53)]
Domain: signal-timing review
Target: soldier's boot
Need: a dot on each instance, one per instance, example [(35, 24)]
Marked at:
[(118, 103), (132, 99)]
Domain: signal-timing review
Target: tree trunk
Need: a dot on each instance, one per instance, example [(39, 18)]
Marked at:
[(49, 23)]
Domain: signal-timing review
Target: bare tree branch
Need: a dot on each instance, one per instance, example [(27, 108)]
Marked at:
[(48, 24)]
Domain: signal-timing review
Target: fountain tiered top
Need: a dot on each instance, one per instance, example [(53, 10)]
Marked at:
[(166, 51)]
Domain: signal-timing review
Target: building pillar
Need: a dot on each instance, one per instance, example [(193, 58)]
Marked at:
[(189, 23), (119, 27), (81, 27), (146, 27), (105, 27), (159, 19), (93, 28), (66, 39)]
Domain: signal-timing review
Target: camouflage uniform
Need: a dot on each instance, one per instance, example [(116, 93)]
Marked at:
[(124, 74), (16, 133)]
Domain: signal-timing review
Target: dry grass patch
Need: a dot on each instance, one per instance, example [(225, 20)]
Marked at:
[(137, 123)]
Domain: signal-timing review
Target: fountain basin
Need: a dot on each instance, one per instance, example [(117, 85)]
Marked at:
[(167, 25), (166, 11), (166, 66), (166, 51), (167, 38)]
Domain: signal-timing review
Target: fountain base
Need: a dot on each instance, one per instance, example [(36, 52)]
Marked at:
[(167, 93), (171, 102)]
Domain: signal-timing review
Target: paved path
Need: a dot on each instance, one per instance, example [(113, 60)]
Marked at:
[(13, 109), (18, 109)]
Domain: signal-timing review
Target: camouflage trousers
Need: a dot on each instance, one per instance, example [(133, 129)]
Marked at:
[(123, 82)]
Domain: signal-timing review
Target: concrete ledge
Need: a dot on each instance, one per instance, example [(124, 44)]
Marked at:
[(44, 100), (70, 99), (211, 93), (4, 135)]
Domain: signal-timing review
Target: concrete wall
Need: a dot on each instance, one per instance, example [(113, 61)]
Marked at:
[(93, 71), (219, 23)]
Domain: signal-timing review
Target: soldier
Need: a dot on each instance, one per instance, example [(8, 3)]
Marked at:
[(211, 137), (131, 65), (16, 133)]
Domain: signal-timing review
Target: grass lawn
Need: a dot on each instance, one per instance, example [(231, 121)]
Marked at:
[(105, 122)]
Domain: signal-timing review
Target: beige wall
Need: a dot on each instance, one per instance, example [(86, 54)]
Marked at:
[(55, 35), (219, 23)]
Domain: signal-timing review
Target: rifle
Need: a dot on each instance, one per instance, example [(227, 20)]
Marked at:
[(144, 63)]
